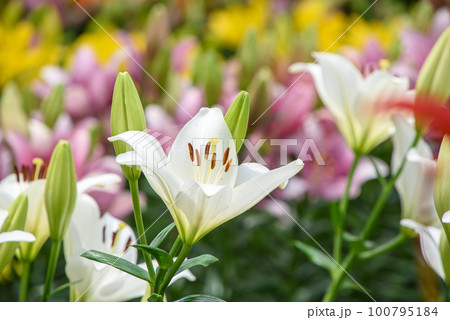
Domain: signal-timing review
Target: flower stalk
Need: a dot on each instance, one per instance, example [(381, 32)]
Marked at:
[(54, 254), (24, 281)]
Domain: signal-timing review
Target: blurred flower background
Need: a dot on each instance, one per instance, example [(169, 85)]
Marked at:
[(184, 55)]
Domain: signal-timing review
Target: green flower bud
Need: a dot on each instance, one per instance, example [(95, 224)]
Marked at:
[(444, 248), (17, 215), (434, 79), (126, 114), (157, 30), (259, 91), (248, 57), (60, 190), (208, 75), (237, 118), (12, 115), (53, 105), (441, 187)]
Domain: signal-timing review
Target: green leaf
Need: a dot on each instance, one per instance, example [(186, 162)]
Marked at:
[(162, 235), (200, 298), (164, 259), (203, 260), (315, 256), (118, 263), (60, 288), (237, 118)]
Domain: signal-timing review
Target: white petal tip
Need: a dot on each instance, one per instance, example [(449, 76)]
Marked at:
[(446, 217), (299, 163)]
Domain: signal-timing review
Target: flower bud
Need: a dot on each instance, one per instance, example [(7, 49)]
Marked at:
[(53, 105), (434, 78), (12, 115), (259, 90), (248, 57), (60, 190), (441, 187), (157, 30), (444, 249), (126, 114), (237, 118), (208, 75), (17, 215)]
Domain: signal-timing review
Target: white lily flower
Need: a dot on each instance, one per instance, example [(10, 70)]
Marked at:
[(446, 217), (201, 183), (430, 242), (36, 223), (15, 235), (94, 281), (415, 183), (355, 102)]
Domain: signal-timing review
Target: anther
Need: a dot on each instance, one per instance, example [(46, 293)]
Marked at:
[(25, 173), (208, 146), (227, 167), (197, 154), (225, 156), (191, 152), (213, 161), (16, 171)]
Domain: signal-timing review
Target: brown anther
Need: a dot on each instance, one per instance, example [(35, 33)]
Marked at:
[(33, 172), (128, 243), (113, 238), (208, 146), (44, 174), (16, 171), (227, 167), (225, 156), (25, 173), (191, 152), (213, 161), (104, 234), (197, 154)]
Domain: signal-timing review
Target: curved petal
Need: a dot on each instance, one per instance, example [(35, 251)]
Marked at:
[(102, 180), (249, 193), (250, 170), (341, 80), (446, 217), (429, 243), (207, 126), (201, 206), (146, 146), (16, 236)]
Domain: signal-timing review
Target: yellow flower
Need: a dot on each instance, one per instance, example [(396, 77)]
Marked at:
[(229, 25), (104, 47), (20, 57)]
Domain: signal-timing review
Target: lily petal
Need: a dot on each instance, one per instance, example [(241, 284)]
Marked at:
[(103, 180), (200, 205), (208, 125), (446, 217), (249, 193), (16, 236), (429, 243)]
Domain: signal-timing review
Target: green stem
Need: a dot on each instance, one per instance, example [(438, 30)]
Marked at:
[(352, 257), (176, 246), (24, 280), (173, 270), (54, 254), (162, 272), (335, 285), (386, 247), (343, 206), (134, 188)]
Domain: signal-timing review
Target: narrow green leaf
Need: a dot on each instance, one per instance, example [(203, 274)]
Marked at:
[(203, 260), (315, 256), (118, 263), (60, 288), (164, 259), (200, 298), (162, 235)]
